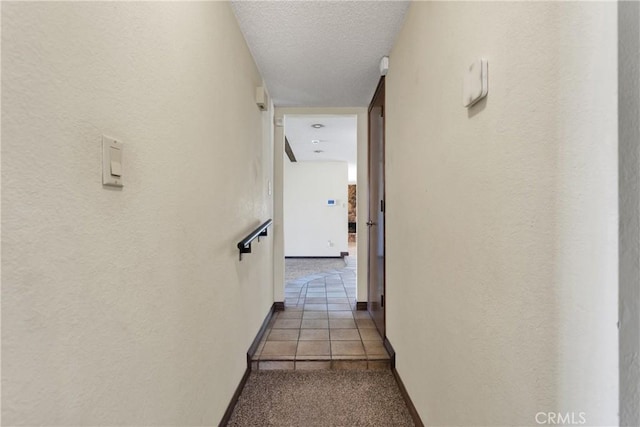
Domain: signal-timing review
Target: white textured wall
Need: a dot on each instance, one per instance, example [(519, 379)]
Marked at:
[(309, 224), (629, 161), (362, 202), (502, 219), (129, 307), (279, 158)]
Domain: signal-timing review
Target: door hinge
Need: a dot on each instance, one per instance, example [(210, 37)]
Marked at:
[(381, 301), (381, 205)]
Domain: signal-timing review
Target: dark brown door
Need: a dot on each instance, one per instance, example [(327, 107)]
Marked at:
[(375, 223)]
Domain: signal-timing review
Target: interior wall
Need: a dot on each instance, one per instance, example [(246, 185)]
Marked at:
[(362, 200), (117, 303), (312, 228), (629, 185), (278, 207), (279, 159), (502, 219)]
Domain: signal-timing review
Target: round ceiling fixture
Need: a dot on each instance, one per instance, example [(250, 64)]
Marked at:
[(315, 141), (318, 151), (317, 125)]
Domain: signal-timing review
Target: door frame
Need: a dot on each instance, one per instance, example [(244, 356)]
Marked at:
[(378, 92)]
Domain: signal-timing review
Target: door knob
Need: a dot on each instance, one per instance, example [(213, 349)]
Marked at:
[(370, 223)]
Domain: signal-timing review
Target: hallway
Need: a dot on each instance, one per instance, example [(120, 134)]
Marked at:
[(141, 141)]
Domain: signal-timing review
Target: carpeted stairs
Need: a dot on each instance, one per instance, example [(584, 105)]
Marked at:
[(325, 398)]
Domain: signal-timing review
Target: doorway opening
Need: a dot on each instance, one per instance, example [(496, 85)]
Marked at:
[(319, 194)]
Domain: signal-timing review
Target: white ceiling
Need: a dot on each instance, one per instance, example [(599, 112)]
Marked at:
[(320, 53), (337, 139)]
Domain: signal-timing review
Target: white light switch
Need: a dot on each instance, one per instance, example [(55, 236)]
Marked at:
[(116, 161), (112, 162), (475, 86), (116, 168)]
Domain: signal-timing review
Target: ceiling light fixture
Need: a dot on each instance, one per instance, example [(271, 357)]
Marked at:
[(318, 151), (315, 141), (317, 125)]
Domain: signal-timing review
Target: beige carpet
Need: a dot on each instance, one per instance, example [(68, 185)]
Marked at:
[(321, 399), (295, 268)]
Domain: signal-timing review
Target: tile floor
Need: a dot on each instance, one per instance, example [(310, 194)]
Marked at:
[(320, 327)]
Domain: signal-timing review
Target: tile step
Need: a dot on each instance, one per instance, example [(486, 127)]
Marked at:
[(358, 364)]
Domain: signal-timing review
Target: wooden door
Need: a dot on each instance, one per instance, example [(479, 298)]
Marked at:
[(376, 275)]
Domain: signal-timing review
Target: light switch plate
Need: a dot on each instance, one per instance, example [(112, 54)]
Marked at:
[(112, 156), (475, 86)]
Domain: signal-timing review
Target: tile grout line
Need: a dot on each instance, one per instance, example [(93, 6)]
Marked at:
[(328, 325)]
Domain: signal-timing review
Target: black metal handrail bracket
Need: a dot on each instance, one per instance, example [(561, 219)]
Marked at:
[(244, 245)]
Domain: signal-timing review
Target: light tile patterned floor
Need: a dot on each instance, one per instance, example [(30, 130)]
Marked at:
[(320, 327)]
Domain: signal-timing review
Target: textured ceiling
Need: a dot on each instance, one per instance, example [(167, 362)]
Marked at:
[(337, 139), (320, 53)]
